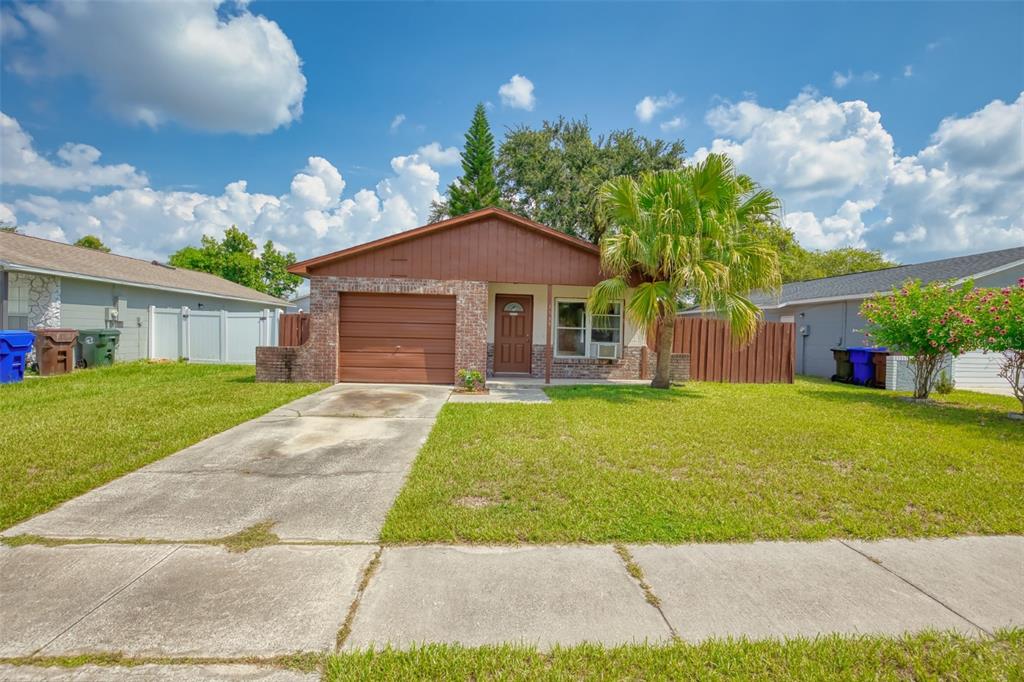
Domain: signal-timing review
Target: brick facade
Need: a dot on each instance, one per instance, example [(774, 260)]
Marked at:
[(679, 366), (317, 359), (626, 367)]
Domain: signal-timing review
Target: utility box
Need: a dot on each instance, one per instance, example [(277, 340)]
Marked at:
[(55, 350)]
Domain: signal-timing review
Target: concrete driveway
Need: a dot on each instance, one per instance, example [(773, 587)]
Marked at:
[(326, 467)]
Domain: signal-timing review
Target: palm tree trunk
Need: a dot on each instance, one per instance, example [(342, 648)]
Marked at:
[(663, 366)]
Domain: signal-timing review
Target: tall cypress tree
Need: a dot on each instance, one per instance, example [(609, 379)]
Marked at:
[(477, 187)]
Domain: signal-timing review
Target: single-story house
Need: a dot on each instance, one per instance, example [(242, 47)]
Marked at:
[(45, 283), (826, 311), (488, 291), (299, 304)]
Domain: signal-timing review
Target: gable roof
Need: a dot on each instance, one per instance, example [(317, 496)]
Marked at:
[(302, 267), (19, 252), (864, 284)]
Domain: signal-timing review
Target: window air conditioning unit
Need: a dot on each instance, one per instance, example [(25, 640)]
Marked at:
[(605, 351)]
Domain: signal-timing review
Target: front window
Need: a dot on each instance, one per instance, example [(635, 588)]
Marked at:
[(576, 330)]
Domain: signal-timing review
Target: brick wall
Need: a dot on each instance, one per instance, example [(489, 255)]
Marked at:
[(679, 366), (317, 359), (626, 367)]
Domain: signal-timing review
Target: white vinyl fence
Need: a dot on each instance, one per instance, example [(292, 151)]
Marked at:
[(973, 371), (213, 336)]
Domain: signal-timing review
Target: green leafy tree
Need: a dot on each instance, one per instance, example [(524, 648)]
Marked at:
[(91, 241), (798, 264), (686, 234), (234, 258), (553, 174), (924, 323), (999, 317), (477, 187), (12, 229)]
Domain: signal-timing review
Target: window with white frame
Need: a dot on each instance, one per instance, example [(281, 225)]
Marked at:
[(577, 331), (17, 303)]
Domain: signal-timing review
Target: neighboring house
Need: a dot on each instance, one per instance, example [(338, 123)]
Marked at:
[(299, 304), (50, 284), (827, 311), (489, 291)]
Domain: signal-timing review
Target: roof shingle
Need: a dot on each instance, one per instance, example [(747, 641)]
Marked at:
[(867, 283), (33, 252)]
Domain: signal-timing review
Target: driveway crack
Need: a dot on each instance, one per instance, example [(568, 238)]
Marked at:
[(108, 598), (933, 597), (368, 573), (636, 572)]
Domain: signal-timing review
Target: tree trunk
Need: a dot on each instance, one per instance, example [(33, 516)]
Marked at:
[(924, 367), (1012, 369), (663, 366)]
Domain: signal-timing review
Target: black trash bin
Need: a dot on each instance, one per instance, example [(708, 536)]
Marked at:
[(844, 368)]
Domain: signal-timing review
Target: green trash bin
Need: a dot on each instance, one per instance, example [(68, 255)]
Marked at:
[(97, 347)]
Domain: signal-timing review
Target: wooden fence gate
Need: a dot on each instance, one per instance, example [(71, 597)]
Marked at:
[(293, 329), (769, 358)]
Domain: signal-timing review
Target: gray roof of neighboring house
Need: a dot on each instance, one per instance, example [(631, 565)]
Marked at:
[(864, 284), (33, 254)]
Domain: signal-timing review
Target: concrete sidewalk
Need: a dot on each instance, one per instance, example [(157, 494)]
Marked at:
[(201, 601)]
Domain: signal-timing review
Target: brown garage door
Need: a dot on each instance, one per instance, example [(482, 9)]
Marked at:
[(397, 338)]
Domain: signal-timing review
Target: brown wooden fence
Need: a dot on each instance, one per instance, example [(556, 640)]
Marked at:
[(293, 329), (769, 358)]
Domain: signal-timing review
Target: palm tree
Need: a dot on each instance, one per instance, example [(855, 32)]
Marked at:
[(689, 235)]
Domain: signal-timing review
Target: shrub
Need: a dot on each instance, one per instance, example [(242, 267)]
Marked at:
[(472, 379), (1000, 328), (945, 384), (924, 322)]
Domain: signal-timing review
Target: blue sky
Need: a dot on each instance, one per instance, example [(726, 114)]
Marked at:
[(837, 106)]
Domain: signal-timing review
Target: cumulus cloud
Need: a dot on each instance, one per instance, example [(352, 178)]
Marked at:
[(674, 123), (434, 154), (842, 183), (650, 106), (518, 93), (311, 217), (76, 166), (203, 63), (841, 80)]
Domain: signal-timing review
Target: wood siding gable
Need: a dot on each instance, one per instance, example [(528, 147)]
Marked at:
[(492, 249)]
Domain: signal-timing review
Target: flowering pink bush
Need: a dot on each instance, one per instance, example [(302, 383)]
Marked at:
[(999, 315), (924, 323)]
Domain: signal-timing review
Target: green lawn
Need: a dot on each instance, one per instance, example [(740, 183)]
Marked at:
[(64, 435), (916, 657), (715, 462)]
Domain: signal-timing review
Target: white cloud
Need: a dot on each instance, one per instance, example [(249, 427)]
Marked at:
[(434, 154), (518, 93), (674, 123), (842, 183), (199, 63), (650, 106), (397, 122), (77, 166), (841, 80), (908, 71), (312, 217)]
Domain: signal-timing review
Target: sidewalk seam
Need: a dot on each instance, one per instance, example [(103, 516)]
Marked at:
[(109, 597), (346, 626), (635, 571), (880, 564)]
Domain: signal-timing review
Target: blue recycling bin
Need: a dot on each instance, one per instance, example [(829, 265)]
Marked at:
[(14, 346), (863, 364)]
